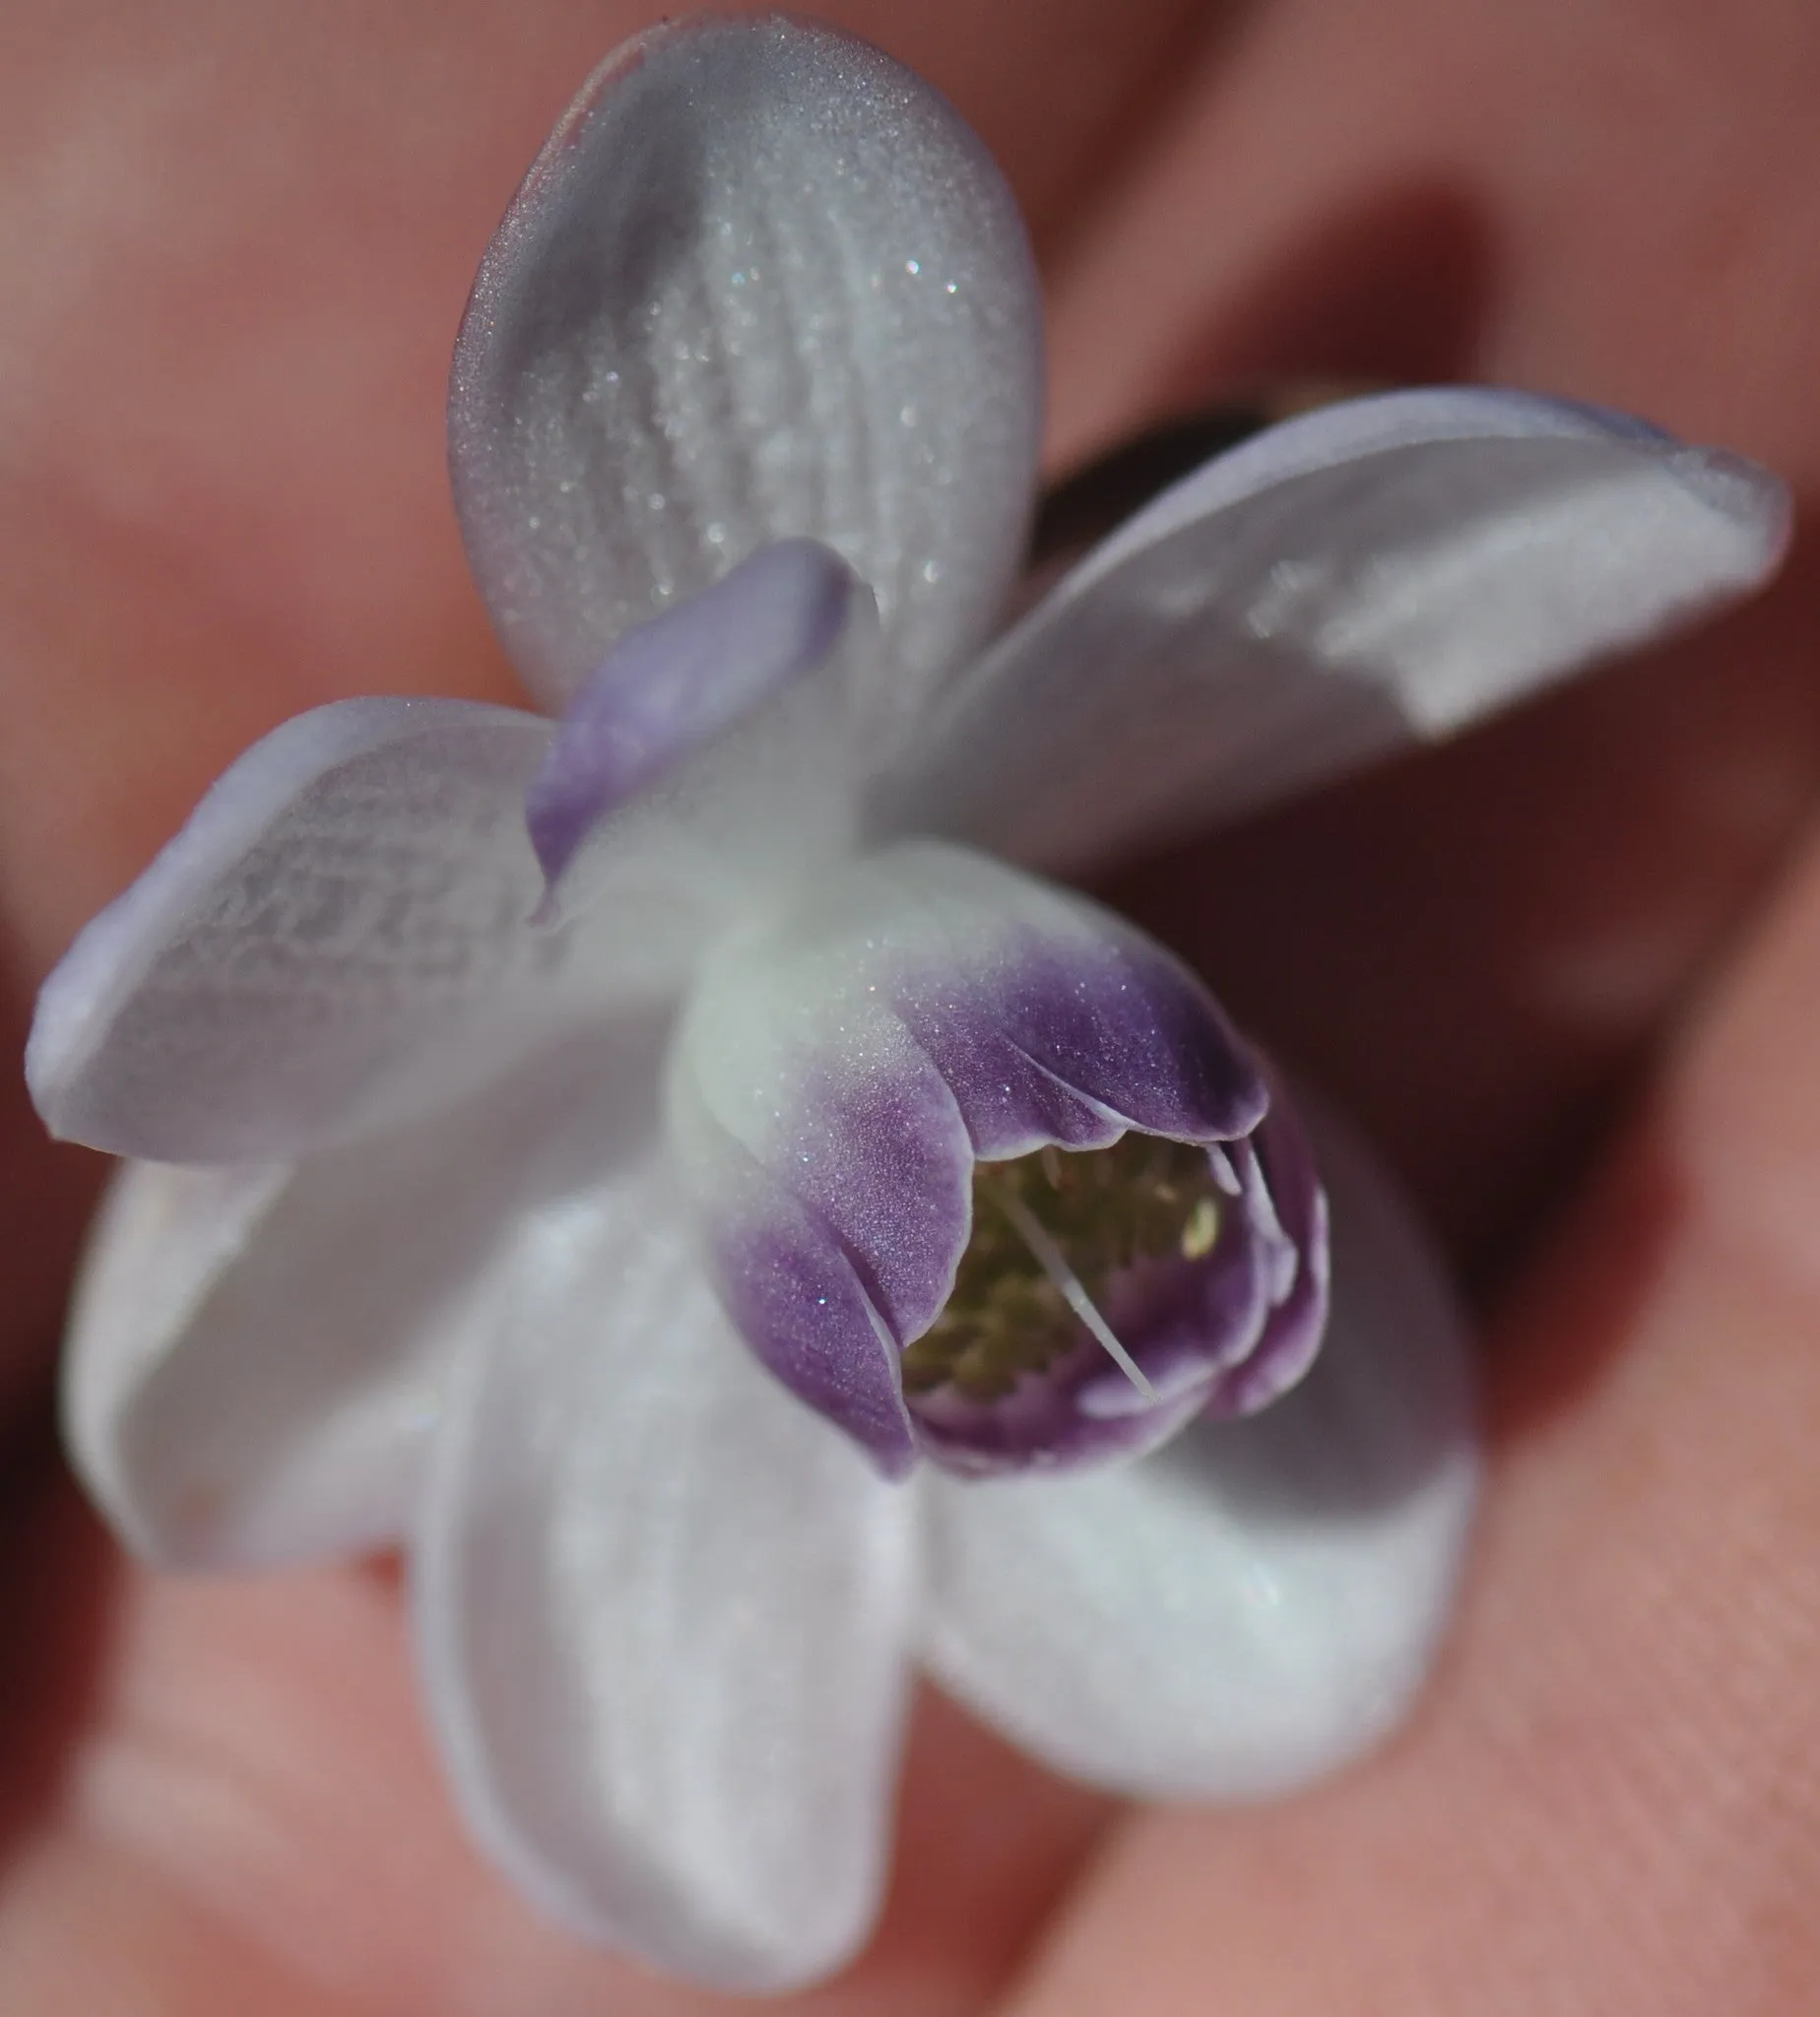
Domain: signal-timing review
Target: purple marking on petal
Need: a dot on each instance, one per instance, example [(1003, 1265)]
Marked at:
[(831, 1174), (1042, 1427), (1058, 1021), (930, 1011), (680, 680), (1076, 1041), (797, 1299), (886, 1170), (842, 1242), (1223, 1336)]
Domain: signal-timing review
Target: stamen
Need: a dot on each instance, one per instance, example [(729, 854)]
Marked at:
[(1049, 1258), (1105, 1219)]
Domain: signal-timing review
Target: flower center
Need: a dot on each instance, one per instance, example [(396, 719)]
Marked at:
[(1049, 1225)]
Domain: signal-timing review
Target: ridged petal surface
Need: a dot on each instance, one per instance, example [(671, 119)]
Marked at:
[(342, 937), (1376, 573), (761, 282), (316, 950)]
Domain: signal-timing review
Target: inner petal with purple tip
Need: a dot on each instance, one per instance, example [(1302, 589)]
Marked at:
[(680, 683), (985, 1175)]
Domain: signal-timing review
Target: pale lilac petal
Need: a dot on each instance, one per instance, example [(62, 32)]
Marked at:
[(1368, 575), (679, 682), (662, 1615), (834, 1081), (1260, 1601), (257, 1354), (761, 283), (342, 937), (305, 957)]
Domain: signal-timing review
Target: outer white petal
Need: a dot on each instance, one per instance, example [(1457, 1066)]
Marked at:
[(1372, 574), (257, 1354), (662, 1613), (760, 281), (305, 956), (341, 938), (1260, 1601)]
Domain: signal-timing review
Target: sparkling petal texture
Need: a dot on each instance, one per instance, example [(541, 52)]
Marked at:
[(835, 1079), (1374, 573), (663, 1617), (683, 679), (761, 282), (1260, 1601), (257, 1354)]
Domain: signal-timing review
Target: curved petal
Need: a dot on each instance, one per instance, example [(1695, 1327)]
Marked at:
[(765, 800), (1375, 573), (325, 922), (836, 1076), (806, 1304), (340, 938), (662, 1614), (1256, 1603), (682, 682), (1051, 1018), (257, 1354), (760, 281)]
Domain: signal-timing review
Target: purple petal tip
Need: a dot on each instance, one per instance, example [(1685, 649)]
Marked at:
[(678, 683)]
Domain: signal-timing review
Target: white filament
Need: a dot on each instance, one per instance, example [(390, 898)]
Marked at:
[(1054, 1264)]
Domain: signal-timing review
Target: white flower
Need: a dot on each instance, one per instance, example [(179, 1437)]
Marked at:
[(414, 1250)]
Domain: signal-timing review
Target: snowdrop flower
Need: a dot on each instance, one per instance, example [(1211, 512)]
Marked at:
[(530, 1113)]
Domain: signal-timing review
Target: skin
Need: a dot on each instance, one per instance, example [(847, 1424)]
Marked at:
[(1566, 971)]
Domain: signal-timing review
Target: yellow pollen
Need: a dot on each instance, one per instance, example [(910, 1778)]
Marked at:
[(1201, 1230)]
